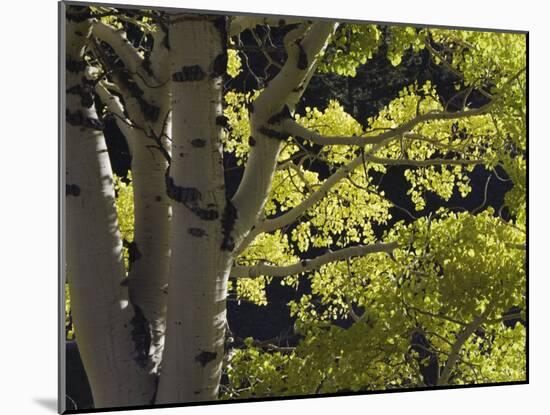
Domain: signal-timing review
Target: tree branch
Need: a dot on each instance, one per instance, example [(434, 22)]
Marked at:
[(309, 264), (291, 127), (120, 44), (421, 163), (433, 315), (454, 356), (292, 215), (303, 46), (114, 106)]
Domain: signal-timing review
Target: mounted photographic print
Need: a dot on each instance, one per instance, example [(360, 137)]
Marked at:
[(258, 207)]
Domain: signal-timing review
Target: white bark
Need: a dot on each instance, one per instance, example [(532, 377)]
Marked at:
[(101, 312), (152, 214), (146, 134), (115, 107), (195, 324)]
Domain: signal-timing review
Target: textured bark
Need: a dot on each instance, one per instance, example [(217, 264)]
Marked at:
[(148, 272), (150, 251), (103, 317), (146, 125), (197, 286), (205, 229)]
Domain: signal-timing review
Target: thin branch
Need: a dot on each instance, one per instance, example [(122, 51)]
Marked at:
[(454, 356), (115, 107), (506, 317), (421, 163), (356, 318), (309, 264), (268, 57), (291, 127), (440, 337), (459, 74), (269, 225), (438, 316), (477, 209)]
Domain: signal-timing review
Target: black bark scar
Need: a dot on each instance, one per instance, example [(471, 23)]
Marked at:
[(222, 121), (72, 190), (280, 116), (190, 198), (268, 132), (189, 74), (85, 92), (78, 14), (198, 142), (75, 66), (150, 111), (302, 63), (205, 357), (228, 222), (197, 232), (166, 39), (78, 119), (141, 337), (220, 65), (133, 252), (147, 62), (221, 24)]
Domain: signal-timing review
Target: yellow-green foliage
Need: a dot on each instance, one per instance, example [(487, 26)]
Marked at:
[(450, 268), (69, 329), (236, 139), (352, 46), (400, 39), (125, 210), (234, 66)]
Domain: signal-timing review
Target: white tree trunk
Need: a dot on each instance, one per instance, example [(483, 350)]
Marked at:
[(150, 253), (146, 134), (104, 320), (199, 263)]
